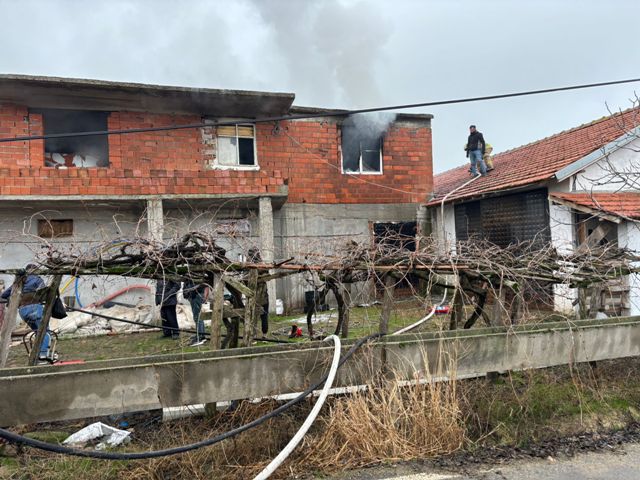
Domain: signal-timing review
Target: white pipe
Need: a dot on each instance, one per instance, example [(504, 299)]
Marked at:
[(422, 320), (444, 199), (286, 451)]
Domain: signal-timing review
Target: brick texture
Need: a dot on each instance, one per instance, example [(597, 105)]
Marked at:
[(303, 155)]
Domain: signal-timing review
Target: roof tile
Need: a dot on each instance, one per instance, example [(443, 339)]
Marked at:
[(537, 161), (620, 204)]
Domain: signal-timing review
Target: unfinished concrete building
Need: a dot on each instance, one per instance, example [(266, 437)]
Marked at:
[(286, 186)]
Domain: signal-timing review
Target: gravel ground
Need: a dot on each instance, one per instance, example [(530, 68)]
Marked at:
[(605, 456)]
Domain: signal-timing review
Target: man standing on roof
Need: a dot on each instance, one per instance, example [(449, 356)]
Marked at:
[(475, 151)]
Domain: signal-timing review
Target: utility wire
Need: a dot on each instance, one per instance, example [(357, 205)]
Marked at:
[(332, 113)]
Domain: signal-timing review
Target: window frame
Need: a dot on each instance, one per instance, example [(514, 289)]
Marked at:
[(218, 166), (360, 171)]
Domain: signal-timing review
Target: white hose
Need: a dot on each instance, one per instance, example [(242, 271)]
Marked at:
[(422, 320), (286, 451)]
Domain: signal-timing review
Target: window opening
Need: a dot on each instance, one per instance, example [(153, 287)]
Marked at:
[(55, 228), (236, 145), (362, 142), (85, 152)]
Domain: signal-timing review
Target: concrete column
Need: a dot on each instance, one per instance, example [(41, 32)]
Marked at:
[(155, 219), (423, 221), (267, 251)]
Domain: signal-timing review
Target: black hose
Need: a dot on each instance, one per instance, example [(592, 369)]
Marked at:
[(101, 455), (178, 330)]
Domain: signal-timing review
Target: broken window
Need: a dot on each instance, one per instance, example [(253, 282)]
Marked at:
[(69, 152), (361, 147), (236, 146), (55, 228)]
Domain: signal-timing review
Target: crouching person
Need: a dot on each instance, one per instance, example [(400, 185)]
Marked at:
[(32, 314)]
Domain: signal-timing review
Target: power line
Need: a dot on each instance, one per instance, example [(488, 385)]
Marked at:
[(336, 113)]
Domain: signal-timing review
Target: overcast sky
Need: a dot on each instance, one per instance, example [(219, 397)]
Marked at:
[(351, 53)]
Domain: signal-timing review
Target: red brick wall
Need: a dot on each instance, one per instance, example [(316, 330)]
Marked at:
[(302, 155), (311, 151)]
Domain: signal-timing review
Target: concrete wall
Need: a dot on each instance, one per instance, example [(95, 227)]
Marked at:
[(629, 237), (20, 244), (617, 172), (49, 393), (304, 229), (446, 236)]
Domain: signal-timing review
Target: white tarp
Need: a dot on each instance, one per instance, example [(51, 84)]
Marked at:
[(77, 323), (110, 436)]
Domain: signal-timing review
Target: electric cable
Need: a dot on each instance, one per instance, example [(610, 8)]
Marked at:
[(103, 455), (295, 440), (332, 113), (173, 329)]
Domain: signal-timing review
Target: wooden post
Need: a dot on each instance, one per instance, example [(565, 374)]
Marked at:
[(596, 299), (457, 309), (46, 316), (342, 297), (387, 304), (498, 306), (217, 307), (346, 302), (250, 317), (9, 323)]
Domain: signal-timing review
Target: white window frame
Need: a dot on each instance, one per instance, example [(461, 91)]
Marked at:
[(255, 166), (360, 171)]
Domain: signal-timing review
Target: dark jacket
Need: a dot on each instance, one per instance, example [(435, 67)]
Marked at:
[(191, 290), (33, 283), (475, 142), (167, 293)]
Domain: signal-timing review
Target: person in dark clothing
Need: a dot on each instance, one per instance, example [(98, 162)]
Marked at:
[(167, 298), (475, 151), (255, 257), (196, 295), (32, 314)]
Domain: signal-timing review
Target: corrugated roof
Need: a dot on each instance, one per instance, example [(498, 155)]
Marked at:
[(537, 161), (620, 204)]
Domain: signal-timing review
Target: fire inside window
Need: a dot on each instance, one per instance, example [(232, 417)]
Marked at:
[(85, 152), (55, 228), (236, 145), (361, 148)]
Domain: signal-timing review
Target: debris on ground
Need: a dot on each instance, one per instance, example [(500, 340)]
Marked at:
[(107, 435)]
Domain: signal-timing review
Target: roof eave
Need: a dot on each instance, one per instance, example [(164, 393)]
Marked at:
[(597, 154), (83, 94)]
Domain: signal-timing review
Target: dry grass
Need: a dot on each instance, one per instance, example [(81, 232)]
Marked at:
[(388, 423)]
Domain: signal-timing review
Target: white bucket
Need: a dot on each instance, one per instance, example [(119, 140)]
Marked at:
[(279, 307)]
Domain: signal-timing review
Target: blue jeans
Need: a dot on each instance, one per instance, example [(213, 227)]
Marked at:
[(32, 315), (475, 157), (196, 306)]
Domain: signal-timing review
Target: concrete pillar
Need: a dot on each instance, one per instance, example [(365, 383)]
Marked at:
[(267, 250), (155, 219), (423, 221)]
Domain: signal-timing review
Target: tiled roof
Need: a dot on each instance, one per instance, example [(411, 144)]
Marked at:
[(620, 204), (537, 161)]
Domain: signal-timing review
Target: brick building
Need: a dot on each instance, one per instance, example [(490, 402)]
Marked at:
[(282, 185)]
